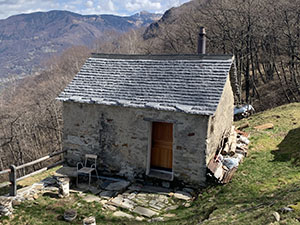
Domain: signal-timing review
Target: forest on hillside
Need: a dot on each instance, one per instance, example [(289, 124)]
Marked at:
[(263, 35)]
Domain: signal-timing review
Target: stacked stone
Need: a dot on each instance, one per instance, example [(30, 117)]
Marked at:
[(89, 221), (6, 208), (63, 187)]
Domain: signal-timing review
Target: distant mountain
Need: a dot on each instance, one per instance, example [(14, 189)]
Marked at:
[(174, 15), (28, 39)]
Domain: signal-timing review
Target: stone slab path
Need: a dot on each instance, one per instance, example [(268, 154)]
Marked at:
[(147, 202), (121, 198)]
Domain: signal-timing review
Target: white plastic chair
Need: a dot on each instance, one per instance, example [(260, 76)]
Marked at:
[(85, 168)]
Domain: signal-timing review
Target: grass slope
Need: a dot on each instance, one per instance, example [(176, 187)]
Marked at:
[(268, 180)]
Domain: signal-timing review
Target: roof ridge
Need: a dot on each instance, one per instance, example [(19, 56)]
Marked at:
[(164, 56)]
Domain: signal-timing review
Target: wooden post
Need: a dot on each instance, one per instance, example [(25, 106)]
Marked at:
[(13, 180)]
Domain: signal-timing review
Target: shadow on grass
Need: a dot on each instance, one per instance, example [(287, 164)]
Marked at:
[(6, 190), (51, 195), (289, 148)]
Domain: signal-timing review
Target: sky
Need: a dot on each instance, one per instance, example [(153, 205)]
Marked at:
[(85, 7)]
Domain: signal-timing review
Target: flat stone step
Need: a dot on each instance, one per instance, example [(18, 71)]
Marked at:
[(122, 214), (144, 211), (160, 175), (117, 200), (121, 202)]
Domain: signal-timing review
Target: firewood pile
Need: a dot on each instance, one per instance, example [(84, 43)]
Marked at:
[(228, 157)]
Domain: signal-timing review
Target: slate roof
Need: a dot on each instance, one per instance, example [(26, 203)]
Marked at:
[(182, 83)]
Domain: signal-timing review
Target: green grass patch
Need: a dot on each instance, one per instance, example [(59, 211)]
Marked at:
[(48, 209), (268, 180)]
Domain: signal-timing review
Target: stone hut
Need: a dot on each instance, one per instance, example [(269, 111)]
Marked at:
[(162, 116)]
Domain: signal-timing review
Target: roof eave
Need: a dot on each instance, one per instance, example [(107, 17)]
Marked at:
[(114, 103)]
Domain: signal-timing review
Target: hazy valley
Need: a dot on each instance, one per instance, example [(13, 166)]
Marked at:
[(28, 40)]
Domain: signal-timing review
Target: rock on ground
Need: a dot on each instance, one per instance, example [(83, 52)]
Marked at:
[(139, 218), (89, 221), (119, 201), (122, 214), (182, 195), (157, 219), (169, 215), (277, 216), (144, 211), (110, 207), (107, 194), (91, 198)]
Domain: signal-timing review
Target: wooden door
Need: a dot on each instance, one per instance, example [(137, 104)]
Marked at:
[(162, 144)]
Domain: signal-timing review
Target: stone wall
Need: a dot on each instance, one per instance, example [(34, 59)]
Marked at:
[(120, 137), (220, 124)]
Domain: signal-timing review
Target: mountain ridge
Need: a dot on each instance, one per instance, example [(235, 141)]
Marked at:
[(28, 39)]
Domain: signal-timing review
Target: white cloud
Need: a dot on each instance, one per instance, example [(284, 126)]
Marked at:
[(174, 3), (12, 7), (69, 7), (118, 7), (111, 6), (139, 5), (89, 4)]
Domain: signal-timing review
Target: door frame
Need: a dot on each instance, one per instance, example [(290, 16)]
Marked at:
[(148, 166)]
